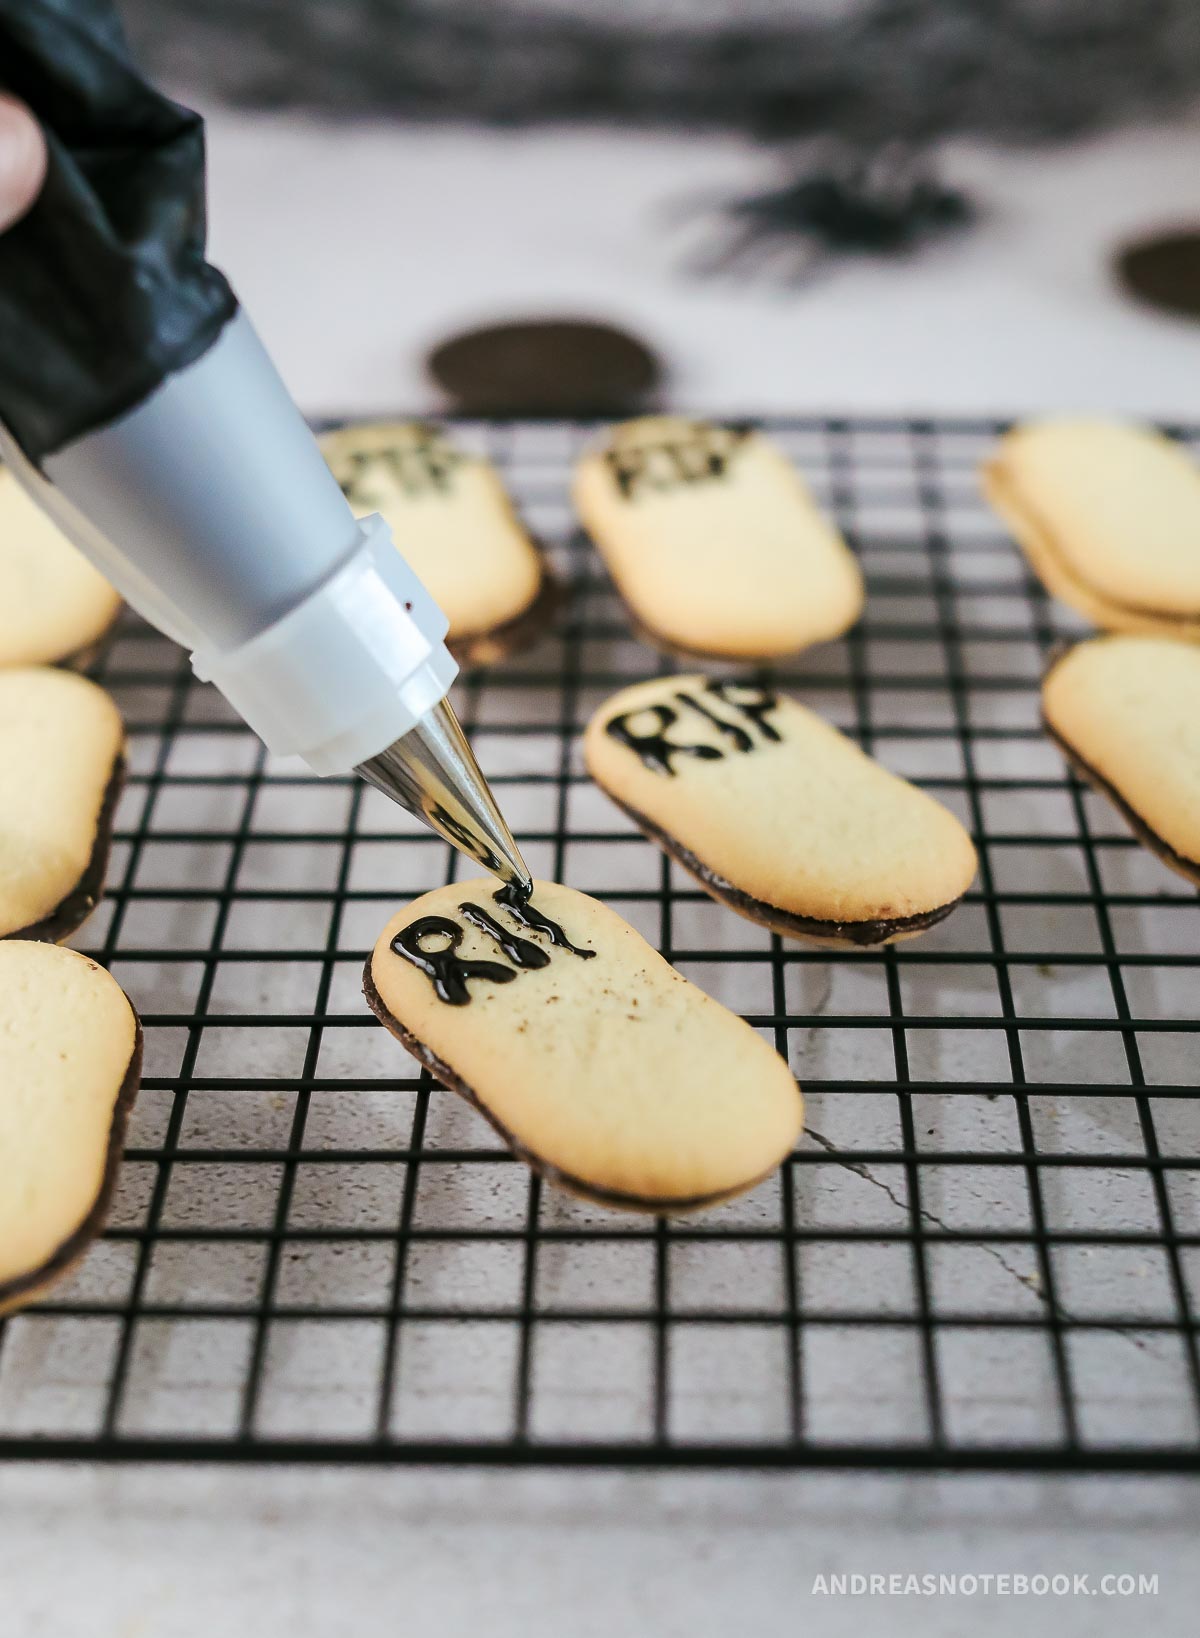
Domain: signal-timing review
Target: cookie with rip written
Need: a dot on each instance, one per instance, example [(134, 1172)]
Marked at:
[(1109, 517), (776, 813), (452, 520), (53, 604), (1126, 712), (62, 763), (599, 1065), (714, 542), (70, 1058)]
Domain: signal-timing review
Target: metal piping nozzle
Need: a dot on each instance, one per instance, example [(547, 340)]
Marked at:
[(433, 773)]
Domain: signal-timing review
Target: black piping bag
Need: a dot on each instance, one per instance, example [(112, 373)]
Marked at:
[(139, 409)]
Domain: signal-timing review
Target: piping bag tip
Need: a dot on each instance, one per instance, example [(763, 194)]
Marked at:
[(432, 772)]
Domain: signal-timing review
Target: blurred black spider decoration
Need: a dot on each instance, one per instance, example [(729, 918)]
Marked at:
[(844, 204)]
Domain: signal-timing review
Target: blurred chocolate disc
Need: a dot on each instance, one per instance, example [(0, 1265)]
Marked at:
[(546, 367), (1164, 270)]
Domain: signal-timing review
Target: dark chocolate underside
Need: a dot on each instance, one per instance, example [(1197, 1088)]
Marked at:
[(1050, 546), (862, 933), (553, 1174), (522, 631), (79, 903), (1190, 868), (76, 1243)]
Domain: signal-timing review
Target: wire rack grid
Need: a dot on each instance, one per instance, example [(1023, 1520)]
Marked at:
[(985, 1250)]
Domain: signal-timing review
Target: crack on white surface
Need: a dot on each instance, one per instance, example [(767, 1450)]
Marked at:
[(1031, 1282), (818, 1005)]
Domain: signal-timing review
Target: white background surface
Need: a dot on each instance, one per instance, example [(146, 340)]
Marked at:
[(171, 1554), (353, 251)]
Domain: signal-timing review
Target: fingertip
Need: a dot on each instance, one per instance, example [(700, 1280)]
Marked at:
[(22, 160)]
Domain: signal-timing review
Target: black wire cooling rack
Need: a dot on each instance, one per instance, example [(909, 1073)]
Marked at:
[(985, 1250)]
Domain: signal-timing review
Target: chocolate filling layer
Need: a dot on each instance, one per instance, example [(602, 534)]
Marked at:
[(1149, 838), (24, 1286), (79, 903), (860, 933)]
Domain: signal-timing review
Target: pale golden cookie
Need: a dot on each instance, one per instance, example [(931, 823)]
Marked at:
[(70, 1057), (598, 1063), (713, 540), (451, 518), (1126, 711), (61, 765), (776, 813), (53, 604), (1109, 517)]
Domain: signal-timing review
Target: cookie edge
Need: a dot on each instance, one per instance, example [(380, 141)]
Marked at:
[(491, 644), (1158, 845), (836, 935), (657, 1205), (647, 634), (79, 660), (519, 631), (1035, 537), (83, 659), (644, 629), (87, 892), (23, 1289)]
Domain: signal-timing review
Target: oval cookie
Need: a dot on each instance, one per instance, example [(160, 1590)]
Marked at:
[(53, 604), (714, 542), (1126, 711), (70, 1057), (452, 519), (61, 766), (1109, 518), (598, 1063), (777, 814)]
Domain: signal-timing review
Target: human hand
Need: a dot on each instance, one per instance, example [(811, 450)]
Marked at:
[(22, 160)]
